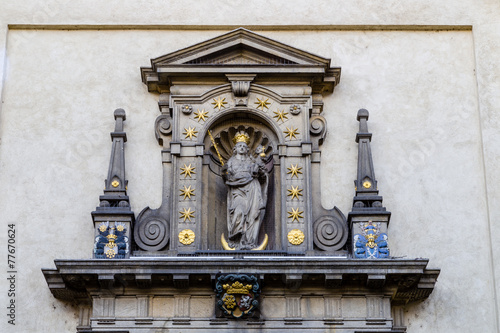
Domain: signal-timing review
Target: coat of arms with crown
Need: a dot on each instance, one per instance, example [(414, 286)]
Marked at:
[(237, 294)]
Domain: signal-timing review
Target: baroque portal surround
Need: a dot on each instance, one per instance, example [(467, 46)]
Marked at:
[(177, 267), (208, 93)]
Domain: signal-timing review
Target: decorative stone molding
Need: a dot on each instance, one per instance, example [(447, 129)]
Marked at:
[(408, 280)]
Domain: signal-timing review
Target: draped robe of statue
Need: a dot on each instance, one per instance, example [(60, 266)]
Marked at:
[(247, 181)]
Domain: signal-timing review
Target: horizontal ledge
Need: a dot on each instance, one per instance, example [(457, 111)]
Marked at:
[(327, 27), (260, 265)]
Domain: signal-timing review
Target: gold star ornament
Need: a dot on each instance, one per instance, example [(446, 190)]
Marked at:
[(187, 170), (201, 115), (187, 214), (294, 192), (262, 103), (294, 170), (295, 214), (291, 133), (219, 103), (187, 192), (190, 132), (280, 115)]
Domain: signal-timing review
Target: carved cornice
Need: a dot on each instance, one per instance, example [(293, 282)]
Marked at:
[(240, 52), (410, 279)]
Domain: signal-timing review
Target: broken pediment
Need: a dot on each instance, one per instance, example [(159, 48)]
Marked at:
[(240, 52)]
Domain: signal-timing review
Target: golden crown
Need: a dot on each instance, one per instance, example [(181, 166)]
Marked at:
[(111, 237), (237, 288), (241, 137)]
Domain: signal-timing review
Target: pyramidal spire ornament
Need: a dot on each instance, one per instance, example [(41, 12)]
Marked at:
[(113, 218), (368, 219)]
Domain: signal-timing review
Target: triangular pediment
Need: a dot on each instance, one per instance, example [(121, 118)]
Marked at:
[(241, 56), (236, 52), (241, 41)]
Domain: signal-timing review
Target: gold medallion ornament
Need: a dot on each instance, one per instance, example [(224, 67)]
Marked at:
[(296, 237), (190, 132), (187, 170), (186, 236), (262, 103), (201, 115), (280, 115), (295, 214), (367, 184), (187, 192), (294, 170), (115, 183), (291, 133), (110, 253), (219, 103), (187, 214)]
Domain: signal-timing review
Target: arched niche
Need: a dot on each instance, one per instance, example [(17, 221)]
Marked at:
[(207, 91), (218, 143)]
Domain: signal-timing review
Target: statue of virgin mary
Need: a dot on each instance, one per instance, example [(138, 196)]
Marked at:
[(247, 181)]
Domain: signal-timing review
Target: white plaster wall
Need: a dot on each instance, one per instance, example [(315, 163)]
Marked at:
[(432, 96)]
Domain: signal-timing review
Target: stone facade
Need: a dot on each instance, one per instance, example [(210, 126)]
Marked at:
[(425, 70)]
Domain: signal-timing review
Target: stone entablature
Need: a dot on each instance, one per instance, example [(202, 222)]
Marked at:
[(310, 292)]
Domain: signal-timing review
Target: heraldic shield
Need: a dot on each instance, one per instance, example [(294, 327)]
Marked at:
[(237, 294)]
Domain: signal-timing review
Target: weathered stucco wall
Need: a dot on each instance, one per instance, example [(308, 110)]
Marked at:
[(430, 82)]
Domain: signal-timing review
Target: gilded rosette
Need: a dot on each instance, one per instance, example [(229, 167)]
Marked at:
[(296, 237)]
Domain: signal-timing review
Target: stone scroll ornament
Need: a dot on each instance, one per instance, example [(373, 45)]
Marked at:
[(152, 231), (247, 180), (330, 233), (237, 294)]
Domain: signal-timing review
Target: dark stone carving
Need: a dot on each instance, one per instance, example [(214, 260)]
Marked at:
[(152, 231), (113, 241), (116, 183), (368, 219), (330, 233), (240, 88), (317, 127), (237, 294), (247, 180), (163, 126), (366, 184)]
